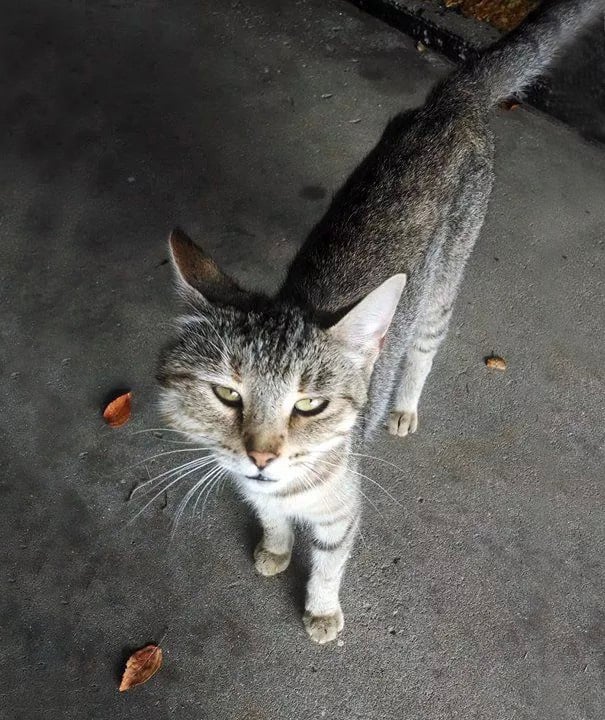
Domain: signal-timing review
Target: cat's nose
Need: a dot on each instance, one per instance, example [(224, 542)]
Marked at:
[(261, 459)]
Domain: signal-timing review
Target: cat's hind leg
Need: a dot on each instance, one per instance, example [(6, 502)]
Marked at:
[(416, 366), (445, 271)]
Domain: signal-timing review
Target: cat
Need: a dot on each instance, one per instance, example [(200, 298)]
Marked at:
[(282, 391)]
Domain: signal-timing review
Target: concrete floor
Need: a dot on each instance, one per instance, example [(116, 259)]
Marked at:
[(481, 596)]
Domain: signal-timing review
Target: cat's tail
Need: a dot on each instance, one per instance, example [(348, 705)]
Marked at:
[(509, 66)]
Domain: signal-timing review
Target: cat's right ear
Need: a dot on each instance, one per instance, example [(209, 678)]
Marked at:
[(198, 278), (363, 329)]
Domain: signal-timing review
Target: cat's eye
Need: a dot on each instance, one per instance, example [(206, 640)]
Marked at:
[(227, 395), (310, 406)]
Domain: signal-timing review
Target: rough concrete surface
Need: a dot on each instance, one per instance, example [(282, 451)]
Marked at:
[(479, 595)]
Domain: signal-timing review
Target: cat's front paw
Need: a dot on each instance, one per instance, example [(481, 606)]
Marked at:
[(323, 629), (403, 422), (268, 563)]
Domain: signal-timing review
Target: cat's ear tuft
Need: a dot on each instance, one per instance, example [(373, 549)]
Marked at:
[(198, 277), (362, 330)]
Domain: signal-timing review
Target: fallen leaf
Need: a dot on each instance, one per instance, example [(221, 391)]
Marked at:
[(503, 14), (495, 363), (141, 666), (118, 411)]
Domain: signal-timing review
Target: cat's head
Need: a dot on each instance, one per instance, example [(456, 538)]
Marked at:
[(266, 389)]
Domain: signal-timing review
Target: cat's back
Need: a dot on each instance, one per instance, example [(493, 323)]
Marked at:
[(391, 210)]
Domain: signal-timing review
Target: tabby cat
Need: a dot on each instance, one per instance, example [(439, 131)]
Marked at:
[(282, 390)]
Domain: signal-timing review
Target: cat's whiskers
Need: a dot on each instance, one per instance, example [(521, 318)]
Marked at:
[(356, 472), (373, 457), (331, 489), (201, 483), (372, 504), (218, 473), (365, 497), (344, 501), (178, 442), (164, 454), (200, 461), (163, 490), (322, 496), (216, 484), (183, 504), (307, 482), (157, 430)]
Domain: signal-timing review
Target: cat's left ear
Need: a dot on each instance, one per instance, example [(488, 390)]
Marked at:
[(199, 279), (362, 330)]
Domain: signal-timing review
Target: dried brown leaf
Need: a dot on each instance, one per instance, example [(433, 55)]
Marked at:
[(495, 363), (141, 666), (503, 14), (118, 411)]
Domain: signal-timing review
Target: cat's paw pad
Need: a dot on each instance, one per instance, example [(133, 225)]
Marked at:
[(323, 629), (403, 422), (268, 563)]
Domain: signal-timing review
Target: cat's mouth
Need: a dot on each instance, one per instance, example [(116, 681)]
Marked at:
[(260, 477)]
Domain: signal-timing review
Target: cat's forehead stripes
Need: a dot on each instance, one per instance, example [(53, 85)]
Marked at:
[(281, 344)]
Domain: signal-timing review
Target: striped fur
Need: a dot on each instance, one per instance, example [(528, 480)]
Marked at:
[(343, 328)]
